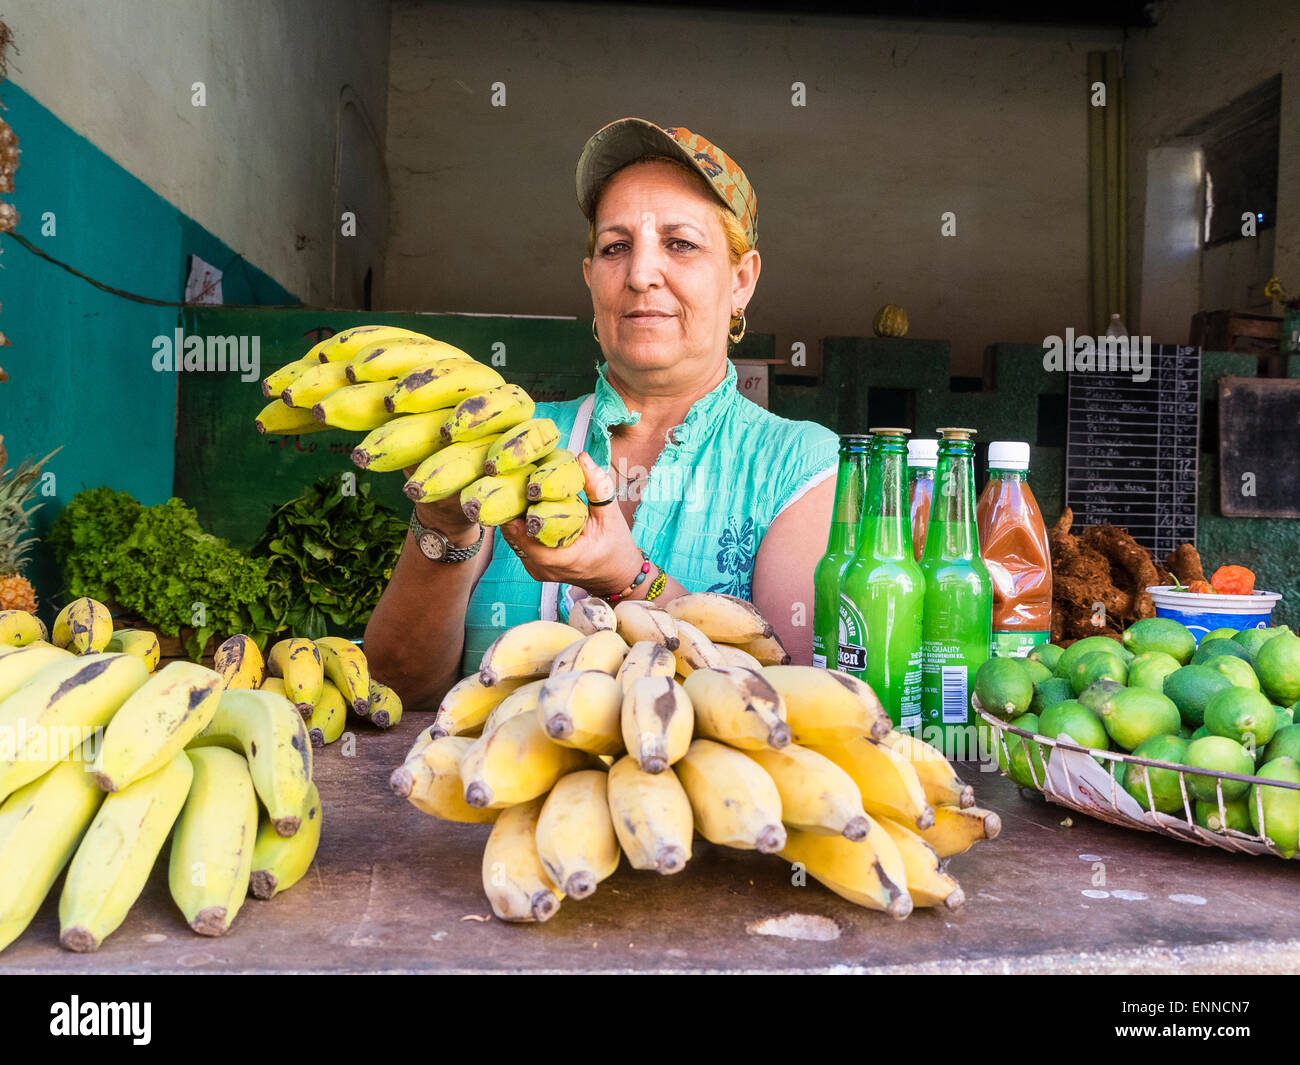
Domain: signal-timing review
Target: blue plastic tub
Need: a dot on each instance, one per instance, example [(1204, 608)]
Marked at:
[(1202, 612)]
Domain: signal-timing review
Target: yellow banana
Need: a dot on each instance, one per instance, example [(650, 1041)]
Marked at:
[(887, 781), (273, 684), (816, 794), (496, 500), (212, 846), (278, 417), (143, 643), (694, 650), (722, 618), (48, 719), (156, 722), (314, 384), (825, 706), (736, 657), (83, 627), (868, 873), (927, 883), (524, 652), (343, 346), (118, 852), (298, 662), (40, 826), (328, 718), (522, 446), (445, 472), (591, 615), (492, 411), (20, 664), (240, 663), (468, 702), (737, 707), (734, 801), (942, 785), (359, 408), (652, 817), (523, 700), (556, 523), (279, 863), (767, 649), (604, 651), (575, 836), (515, 762), (646, 658), (430, 781), (638, 622), (657, 721), (345, 665), (956, 830), (278, 380), (270, 732), (385, 706), (582, 710), (442, 384), (514, 879), (558, 476), (387, 360), (405, 441), (19, 628)]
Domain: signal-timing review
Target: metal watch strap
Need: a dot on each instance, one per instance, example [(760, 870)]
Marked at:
[(451, 552)]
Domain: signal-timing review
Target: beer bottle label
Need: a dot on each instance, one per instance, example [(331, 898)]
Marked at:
[(853, 637), (910, 704)]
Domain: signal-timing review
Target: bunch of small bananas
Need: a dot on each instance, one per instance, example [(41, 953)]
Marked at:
[(632, 727), (428, 404), (226, 773)]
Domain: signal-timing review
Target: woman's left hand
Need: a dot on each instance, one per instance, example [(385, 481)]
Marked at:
[(603, 560)]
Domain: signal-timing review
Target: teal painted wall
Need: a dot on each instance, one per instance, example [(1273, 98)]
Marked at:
[(80, 365)]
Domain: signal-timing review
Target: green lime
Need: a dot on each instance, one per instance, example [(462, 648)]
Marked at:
[(1019, 754), (1219, 634), (1191, 687), (1281, 805), (1095, 695), (1285, 741), (1095, 666), (1237, 815), (1198, 733), (1071, 718), (1036, 670), (1242, 715), (1050, 692), (1079, 648), (1165, 790), (1209, 648), (1150, 668), (1003, 687), (1134, 715), (1219, 755), (1278, 667), (1284, 716), (1047, 653), (1237, 670), (1253, 639), (1161, 634)]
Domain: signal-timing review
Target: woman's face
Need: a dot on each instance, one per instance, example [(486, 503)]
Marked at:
[(662, 284)]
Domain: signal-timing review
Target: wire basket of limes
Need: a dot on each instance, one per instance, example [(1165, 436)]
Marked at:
[(1195, 742)]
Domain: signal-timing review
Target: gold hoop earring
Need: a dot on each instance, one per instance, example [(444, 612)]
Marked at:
[(593, 330), (735, 338)]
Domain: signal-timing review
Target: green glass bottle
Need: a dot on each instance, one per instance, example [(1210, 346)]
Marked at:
[(841, 546), (958, 625), (883, 601)]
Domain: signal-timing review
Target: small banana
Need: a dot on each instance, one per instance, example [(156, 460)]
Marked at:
[(646, 658), (143, 643), (212, 845), (345, 665), (639, 621), (20, 664), (388, 360), (956, 830), (405, 441), (737, 707), (734, 801), (868, 873), (492, 411), (278, 417), (328, 718), (768, 650), (576, 841), (298, 663), (737, 657), (441, 384), (385, 706), (722, 618), (118, 852), (359, 408), (314, 384), (496, 500), (582, 710), (469, 701), (816, 794), (942, 785), (523, 700), (604, 651), (430, 781), (344, 346), (657, 721), (18, 628), (515, 881), (652, 817), (522, 446), (524, 652), (927, 882), (825, 706), (445, 472), (695, 650), (278, 380), (556, 523), (279, 863), (240, 663), (83, 627), (558, 476), (591, 615), (887, 781), (515, 762)]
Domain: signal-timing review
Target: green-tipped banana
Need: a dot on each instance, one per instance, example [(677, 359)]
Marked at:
[(358, 408), (110, 868), (492, 411), (212, 848), (279, 863), (314, 384), (298, 662), (278, 380), (522, 446), (496, 500), (556, 524), (270, 732), (19, 629), (277, 417), (344, 346), (143, 643), (83, 627), (345, 665), (440, 384), (387, 360), (447, 471), (328, 717), (385, 706), (557, 477), (405, 441)]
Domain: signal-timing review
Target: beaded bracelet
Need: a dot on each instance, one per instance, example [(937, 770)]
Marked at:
[(645, 569), (656, 586)]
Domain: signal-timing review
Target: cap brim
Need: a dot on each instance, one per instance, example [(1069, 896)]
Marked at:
[(618, 144)]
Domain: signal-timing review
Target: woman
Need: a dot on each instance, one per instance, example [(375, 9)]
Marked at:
[(707, 490)]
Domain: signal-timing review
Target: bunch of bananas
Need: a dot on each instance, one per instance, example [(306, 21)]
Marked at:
[(428, 404), (101, 759), (631, 728)]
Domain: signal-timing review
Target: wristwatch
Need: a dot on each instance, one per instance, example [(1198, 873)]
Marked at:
[(435, 545)]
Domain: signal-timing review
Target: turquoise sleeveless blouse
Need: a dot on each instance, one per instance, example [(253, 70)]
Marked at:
[(724, 474)]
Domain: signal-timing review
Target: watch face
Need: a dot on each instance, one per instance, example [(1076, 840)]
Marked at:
[(433, 546)]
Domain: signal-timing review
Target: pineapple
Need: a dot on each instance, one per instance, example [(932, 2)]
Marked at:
[(16, 488)]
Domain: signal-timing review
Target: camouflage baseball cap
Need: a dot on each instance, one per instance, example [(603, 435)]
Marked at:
[(629, 139)]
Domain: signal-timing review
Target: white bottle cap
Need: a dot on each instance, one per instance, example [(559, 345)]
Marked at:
[(923, 453), (1008, 455)]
